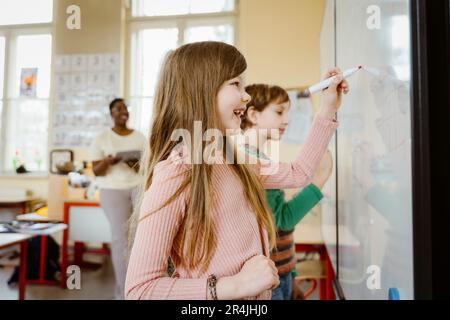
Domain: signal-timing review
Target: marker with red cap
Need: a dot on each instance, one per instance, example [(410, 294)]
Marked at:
[(326, 83)]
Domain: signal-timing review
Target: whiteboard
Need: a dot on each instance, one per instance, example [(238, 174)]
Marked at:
[(374, 174)]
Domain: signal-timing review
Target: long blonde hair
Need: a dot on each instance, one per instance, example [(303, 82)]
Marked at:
[(189, 82)]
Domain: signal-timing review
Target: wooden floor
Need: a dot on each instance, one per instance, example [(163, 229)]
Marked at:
[(95, 285)]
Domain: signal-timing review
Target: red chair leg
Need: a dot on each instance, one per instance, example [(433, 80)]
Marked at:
[(64, 253), (78, 253)]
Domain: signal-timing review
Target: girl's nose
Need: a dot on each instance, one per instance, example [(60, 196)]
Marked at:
[(246, 98)]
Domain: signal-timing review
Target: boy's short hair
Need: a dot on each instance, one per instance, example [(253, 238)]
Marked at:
[(262, 95)]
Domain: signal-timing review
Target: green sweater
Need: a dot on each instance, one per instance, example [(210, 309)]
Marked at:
[(288, 214)]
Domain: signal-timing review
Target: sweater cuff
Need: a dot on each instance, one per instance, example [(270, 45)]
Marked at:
[(327, 123), (203, 287), (316, 191), (188, 289)]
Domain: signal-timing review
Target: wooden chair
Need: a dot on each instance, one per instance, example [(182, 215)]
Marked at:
[(312, 271)]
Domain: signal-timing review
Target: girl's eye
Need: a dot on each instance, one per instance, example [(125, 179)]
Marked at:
[(280, 112), (235, 83)]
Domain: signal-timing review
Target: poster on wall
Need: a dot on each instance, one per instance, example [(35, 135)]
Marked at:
[(28, 77), (85, 84), (300, 117)]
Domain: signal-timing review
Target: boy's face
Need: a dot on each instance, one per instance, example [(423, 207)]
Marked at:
[(274, 116), (232, 101)]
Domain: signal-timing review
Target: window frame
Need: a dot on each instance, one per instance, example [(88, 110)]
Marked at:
[(11, 33), (32, 24), (130, 16), (181, 22)]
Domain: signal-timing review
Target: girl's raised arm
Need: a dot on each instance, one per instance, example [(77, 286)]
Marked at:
[(300, 172)]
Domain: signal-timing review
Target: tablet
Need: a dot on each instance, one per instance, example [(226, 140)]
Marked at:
[(129, 155)]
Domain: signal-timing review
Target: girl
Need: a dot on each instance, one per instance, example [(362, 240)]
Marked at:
[(118, 180), (211, 220), (267, 111)]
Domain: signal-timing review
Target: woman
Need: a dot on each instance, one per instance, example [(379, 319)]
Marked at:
[(117, 179)]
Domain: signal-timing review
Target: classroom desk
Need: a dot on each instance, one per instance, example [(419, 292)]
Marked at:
[(36, 218), (12, 239), (79, 247), (15, 202), (43, 234), (33, 217)]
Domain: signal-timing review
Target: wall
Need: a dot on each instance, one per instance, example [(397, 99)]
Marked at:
[(280, 40), (101, 32)]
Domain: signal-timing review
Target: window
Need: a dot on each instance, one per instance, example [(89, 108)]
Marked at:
[(27, 117), (221, 32), (153, 8), (2, 65), (401, 45), (158, 26), (14, 12), (2, 72), (25, 74)]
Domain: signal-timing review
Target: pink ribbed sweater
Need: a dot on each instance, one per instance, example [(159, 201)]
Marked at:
[(238, 235)]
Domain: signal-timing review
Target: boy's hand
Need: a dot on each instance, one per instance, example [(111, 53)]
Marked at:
[(324, 170)]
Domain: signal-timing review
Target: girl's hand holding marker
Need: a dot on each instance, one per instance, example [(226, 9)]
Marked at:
[(331, 98)]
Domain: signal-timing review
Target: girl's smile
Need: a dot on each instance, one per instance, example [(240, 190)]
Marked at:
[(232, 102), (238, 112)]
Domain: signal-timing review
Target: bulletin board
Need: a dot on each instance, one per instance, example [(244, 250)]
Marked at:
[(300, 113), (84, 86)]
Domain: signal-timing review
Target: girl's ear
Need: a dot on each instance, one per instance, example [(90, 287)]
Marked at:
[(252, 115)]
